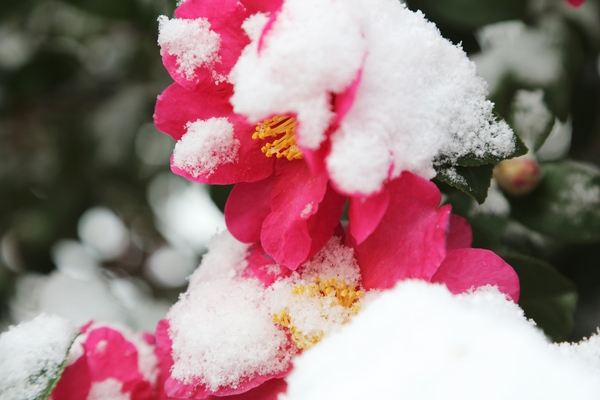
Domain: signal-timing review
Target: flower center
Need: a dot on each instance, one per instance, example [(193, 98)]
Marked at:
[(284, 146), (335, 304)]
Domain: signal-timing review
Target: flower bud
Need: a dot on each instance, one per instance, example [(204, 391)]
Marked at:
[(518, 176)]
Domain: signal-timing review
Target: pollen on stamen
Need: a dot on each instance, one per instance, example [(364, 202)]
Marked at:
[(330, 302), (284, 128)]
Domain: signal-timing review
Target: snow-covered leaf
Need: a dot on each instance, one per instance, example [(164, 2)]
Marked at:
[(473, 181), (33, 356)]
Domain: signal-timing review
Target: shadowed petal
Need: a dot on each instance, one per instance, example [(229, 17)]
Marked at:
[(460, 235)]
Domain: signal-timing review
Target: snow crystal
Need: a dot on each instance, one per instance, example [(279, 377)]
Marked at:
[(110, 389), (418, 341), (205, 145), (453, 176), (418, 97), (531, 116), (31, 354), (223, 334), (191, 41)]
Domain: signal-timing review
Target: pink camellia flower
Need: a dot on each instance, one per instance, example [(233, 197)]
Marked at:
[(292, 211), (304, 103), (109, 363), (576, 3), (244, 318)]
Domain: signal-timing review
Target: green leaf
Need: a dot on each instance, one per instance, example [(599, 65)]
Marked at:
[(566, 204), (471, 13), (547, 296), (488, 224), (474, 181)]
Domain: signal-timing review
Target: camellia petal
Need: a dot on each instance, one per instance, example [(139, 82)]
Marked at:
[(410, 241), (365, 213), (465, 269), (224, 19), (460, 235), (177, 108), (175, 389), (108, 360), (247, 207), (290, 233)]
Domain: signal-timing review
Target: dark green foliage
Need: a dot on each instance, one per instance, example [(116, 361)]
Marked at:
[(547, 296), (566, 205)]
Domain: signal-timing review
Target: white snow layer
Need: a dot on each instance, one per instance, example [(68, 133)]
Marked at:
[(223, 327), (31, 354), (418, 341), (418, 97)]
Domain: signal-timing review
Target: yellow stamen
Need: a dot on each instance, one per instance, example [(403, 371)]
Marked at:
[(285, 145), (344, 295)]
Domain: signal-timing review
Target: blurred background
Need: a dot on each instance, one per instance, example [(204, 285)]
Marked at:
[(93, 225)]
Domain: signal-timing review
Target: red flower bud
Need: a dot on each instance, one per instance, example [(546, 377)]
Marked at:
[(518, 176)]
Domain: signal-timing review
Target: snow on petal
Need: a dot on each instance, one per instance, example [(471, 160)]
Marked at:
[(109, 360), (233, 332), (191, 41), (205, 146), (221, 330), (291, 73), (419, 98)]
